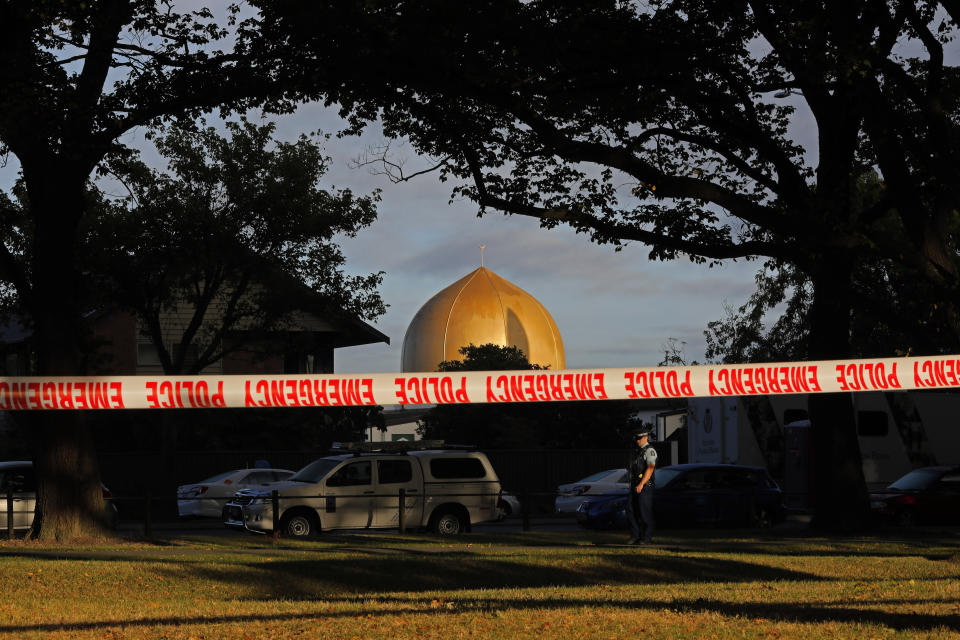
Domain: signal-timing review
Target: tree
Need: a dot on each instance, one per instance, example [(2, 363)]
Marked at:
[(75, 78), (544, 109), (237, 237), (892, 312), (552, 425)]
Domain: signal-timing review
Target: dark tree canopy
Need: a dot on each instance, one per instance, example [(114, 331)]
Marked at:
[(546, 109), (238, 232), (892, 311), (552, 425)]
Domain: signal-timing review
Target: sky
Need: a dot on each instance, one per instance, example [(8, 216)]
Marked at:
[(613, 309)]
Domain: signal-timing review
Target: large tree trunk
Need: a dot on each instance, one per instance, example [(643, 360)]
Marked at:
[(69, 495), (839, 491)]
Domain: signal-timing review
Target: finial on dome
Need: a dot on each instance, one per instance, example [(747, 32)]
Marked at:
[(482, 247)]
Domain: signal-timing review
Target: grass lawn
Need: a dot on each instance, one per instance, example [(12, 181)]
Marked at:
[(715, 584)]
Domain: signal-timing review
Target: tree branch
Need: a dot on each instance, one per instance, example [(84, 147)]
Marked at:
[(613, 230), (668, 186), (110, 18), (393, 170)]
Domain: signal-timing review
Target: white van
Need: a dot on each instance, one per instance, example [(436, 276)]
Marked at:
[(446, 492)]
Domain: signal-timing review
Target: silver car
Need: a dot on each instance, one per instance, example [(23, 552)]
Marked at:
[(570, 496), (205, 499)]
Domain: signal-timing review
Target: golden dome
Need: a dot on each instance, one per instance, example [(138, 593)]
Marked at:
[(481, 308)]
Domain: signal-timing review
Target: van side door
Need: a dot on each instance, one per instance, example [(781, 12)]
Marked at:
[(394, 474), (348, 496)]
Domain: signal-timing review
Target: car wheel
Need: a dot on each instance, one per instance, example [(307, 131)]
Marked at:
[(448, 524), (906, 518), (299, 525)]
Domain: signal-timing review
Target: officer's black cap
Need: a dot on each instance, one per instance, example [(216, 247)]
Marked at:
[(643, 431)]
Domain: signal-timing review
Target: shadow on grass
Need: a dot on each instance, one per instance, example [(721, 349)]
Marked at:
[(779, 612), (305, 579), (941, 547)]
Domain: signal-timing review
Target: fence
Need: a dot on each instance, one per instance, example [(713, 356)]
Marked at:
[(534, 472), (145, 485)]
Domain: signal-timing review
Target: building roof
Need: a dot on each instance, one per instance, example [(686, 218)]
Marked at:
[(481, 308)]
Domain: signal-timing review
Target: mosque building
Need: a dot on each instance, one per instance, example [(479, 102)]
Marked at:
[(481, 308)]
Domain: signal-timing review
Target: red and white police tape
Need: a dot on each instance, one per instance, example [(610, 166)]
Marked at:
[(338, 390)]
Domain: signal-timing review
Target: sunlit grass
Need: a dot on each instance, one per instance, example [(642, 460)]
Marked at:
[(549, 585)]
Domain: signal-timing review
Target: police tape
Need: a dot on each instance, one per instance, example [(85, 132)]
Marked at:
[(464, 387)]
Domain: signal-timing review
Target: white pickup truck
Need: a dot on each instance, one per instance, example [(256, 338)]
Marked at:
[(446, 491)]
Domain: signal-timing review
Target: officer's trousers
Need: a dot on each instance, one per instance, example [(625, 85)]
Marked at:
[(640, 513)]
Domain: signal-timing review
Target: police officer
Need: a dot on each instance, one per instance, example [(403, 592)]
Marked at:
[(643, 459)]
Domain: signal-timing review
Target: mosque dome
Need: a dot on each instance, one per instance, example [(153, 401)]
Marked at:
[(481, 308)]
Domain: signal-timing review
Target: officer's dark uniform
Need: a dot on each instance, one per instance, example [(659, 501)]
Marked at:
[(640, 505)]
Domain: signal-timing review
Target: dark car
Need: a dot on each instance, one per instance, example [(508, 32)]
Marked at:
[(698, 494), (929, 495)]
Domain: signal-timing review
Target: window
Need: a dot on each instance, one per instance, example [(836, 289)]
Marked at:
[(447, 468), (738, 478), (315, 471), (353, 475), (303, 362), (394, 471), (694, 481), (22, 480), (666, 476), (604, 474), (949, 483), (916, 480), (259, 477), (793, 415), (147, 355), (872, 423)]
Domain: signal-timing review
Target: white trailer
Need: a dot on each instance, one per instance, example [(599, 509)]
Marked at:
[(898, 431)]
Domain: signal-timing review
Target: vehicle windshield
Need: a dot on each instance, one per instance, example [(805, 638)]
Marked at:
[(663, 477), (599, 476), (219, 476), (915, 480), (315, 471)]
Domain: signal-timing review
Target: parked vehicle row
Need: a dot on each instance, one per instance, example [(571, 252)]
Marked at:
[(449, 490), (705, 494)]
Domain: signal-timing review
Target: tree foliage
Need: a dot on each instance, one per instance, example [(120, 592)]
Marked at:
[(236, 235), (892, 312), (551, 425)]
